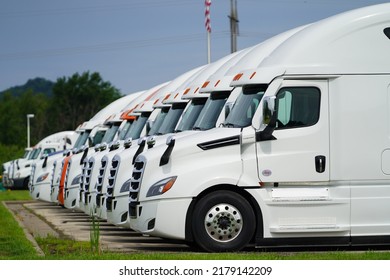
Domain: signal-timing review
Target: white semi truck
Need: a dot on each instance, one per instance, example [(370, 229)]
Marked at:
[(203, 111), (44, 169), (163, 111), (20, 170), (9, 166), (139, 113), (72, 167), (309, 167), (93, 133)]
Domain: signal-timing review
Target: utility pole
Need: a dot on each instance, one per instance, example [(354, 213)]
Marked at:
[(233, 25), (29, 116)]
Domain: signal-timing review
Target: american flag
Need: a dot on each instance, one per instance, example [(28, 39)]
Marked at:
[(207, 4)]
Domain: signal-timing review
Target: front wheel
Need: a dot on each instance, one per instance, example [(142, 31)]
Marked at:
[(223, 221)]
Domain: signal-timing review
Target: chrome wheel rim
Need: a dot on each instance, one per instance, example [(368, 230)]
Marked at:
[(223, 222)]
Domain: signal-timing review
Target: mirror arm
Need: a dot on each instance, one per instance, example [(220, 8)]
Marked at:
[(266, 134)]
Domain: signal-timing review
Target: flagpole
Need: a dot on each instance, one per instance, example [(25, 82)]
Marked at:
[(208, 47), (208, 28)]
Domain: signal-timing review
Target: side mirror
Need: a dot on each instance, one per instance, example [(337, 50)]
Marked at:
[(269, 119), (44, 164), (149, 125), (90, 141), (228, 108), (268, 109)]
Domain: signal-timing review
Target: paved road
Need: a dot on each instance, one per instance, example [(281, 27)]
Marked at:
[(43, 219)]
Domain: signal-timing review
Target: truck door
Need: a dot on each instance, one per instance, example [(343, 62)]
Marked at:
[(294, 164), (300, 152)]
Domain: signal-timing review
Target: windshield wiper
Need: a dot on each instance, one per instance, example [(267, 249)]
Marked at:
[(196, 128), (228, 125)]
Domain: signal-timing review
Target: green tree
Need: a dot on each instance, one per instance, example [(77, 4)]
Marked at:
[(10, 120), (13, 120), (78, 98)]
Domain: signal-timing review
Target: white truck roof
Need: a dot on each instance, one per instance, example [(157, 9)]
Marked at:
[(192, 89), (113, 107), (173, 89), (58, 137), (353, 42), (107, 112), (150, 96), (217, 81), (119, 116)]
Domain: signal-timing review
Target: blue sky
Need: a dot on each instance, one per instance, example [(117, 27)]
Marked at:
[(137, 44)]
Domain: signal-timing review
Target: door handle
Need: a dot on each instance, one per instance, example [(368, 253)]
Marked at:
[(320, 162)]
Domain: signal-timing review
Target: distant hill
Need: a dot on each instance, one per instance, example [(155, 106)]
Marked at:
[(37, 85)]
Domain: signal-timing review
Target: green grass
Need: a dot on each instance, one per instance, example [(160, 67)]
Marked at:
[(15, 246), (13, 242)]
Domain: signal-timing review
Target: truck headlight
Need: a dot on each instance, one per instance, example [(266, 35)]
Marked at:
[(76, 180), (161, 186), (125, 187), (42, 177)]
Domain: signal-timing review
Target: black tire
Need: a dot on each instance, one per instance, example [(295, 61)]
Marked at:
[(26, 183), (223, 221)]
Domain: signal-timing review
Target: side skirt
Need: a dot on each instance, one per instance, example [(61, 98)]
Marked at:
[(383, 240)]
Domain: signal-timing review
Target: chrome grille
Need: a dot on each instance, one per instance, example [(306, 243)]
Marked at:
[(113, 172), (99, 183), (31, 180), (52, 177), (82, 181), (67, 174), (136, 180), (88, 173)]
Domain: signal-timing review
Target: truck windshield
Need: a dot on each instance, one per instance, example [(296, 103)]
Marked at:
[(97, 139), (245, 106), (159, 121), (26, 153), (172, 118), (191, 114), (35, 153), (82, 139), (110, 133), (137, 127), (125, 129), (211, 110)]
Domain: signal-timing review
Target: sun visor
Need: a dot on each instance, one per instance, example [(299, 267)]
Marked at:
[(145, 106)]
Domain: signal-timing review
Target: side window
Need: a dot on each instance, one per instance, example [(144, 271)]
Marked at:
[(48, 151), (297, 107)]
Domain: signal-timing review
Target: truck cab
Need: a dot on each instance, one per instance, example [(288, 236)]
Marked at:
[(94, 133), (284, 168), (135, 122)]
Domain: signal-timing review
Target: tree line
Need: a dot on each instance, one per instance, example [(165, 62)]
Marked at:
[(74, 100)]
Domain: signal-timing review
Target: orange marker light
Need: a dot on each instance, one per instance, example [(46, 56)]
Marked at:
[(253, 74), (205, 84), (237, 77)]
